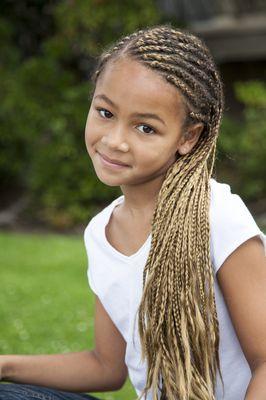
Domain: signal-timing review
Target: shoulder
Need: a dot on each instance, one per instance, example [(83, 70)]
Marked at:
[(227, 208), (99, 221), (221, 195), (231, 222), (94, 235)]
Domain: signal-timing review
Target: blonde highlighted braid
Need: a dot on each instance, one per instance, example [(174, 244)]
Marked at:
[(177, 317)]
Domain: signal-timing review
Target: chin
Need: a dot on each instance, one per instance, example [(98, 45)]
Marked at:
[(109, 181)]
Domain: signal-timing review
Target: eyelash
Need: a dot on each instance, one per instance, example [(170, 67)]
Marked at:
[(145, 133)]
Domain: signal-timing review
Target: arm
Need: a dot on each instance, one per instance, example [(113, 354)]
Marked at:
[(242, 279), (100, 369), (257, 386)]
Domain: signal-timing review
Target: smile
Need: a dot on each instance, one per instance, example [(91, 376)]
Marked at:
[(111, 163)]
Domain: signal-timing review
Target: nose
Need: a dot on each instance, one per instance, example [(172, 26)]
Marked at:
[(115, 139)]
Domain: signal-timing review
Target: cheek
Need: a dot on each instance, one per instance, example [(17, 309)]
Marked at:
[(148, 159), (90, 134), (156, 154)]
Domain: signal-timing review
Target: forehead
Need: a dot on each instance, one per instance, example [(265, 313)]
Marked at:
[(131, 84)]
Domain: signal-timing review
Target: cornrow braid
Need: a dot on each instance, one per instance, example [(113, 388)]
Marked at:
[(112, 53), (177, 316)]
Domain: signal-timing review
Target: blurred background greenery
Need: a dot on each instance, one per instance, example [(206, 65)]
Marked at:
[(45, 305), (48, 51)]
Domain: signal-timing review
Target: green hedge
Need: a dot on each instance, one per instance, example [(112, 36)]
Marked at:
[(45, 103), (242, 145)]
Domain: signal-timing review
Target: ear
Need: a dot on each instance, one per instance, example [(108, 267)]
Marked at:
[(189, 138)]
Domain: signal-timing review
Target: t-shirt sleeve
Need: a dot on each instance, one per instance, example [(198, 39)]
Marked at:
[(231, 223), (88, 246)]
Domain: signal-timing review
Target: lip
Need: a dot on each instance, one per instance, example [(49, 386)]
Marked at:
[(111, 162)]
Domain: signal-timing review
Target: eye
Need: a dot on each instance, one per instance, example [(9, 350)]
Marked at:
[(147, 129), (104, 113)]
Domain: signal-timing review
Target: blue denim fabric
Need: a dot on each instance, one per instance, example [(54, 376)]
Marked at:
[(18, 391)]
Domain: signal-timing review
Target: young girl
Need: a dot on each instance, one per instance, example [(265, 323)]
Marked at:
[(177, 262)]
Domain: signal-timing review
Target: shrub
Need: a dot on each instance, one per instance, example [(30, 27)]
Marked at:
[(242, 145)]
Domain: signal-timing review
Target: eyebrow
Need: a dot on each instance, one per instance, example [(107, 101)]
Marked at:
[(135, 115)]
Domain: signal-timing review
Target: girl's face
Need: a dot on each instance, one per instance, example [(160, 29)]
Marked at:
[(133, 129)]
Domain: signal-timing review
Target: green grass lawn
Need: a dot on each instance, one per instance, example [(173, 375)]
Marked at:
[(46, 305)]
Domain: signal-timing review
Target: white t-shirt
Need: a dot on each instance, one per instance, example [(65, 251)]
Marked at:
[(117, 280)]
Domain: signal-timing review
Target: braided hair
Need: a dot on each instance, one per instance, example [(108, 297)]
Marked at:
[(177, 316)]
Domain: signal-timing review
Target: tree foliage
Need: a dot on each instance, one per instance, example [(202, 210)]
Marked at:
[(45, 100), (242, 144), (48, 50)]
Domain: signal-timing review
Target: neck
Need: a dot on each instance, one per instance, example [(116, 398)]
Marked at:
[(140, 200)]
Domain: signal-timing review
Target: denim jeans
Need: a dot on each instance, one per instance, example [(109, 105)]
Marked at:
[(18, 391)]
